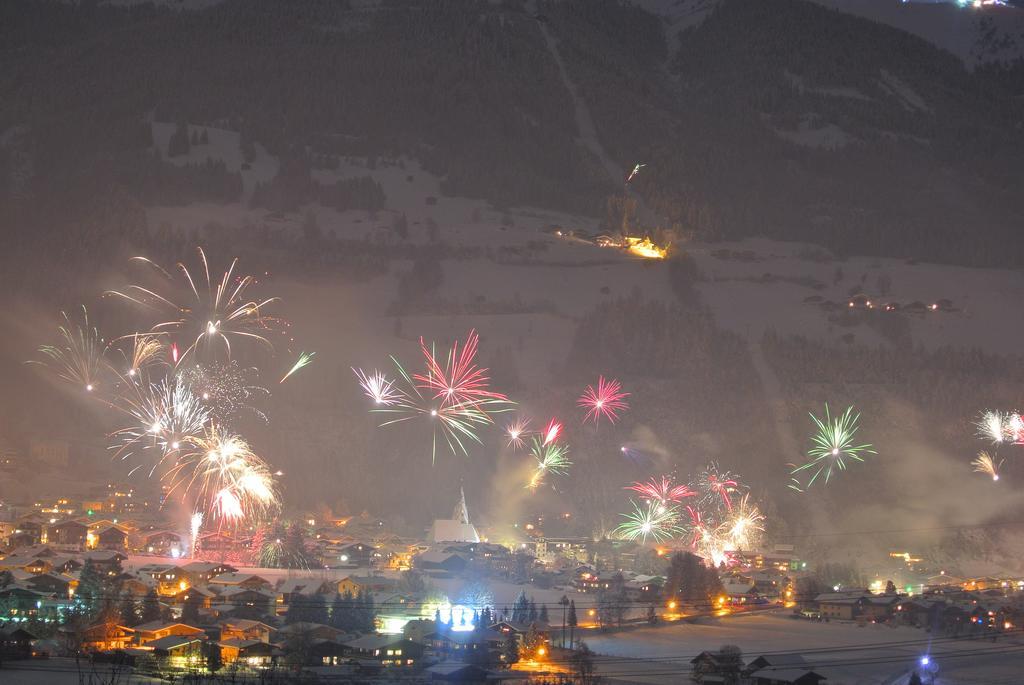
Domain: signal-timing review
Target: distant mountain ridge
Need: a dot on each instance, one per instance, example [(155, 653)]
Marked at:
[(975, 36)]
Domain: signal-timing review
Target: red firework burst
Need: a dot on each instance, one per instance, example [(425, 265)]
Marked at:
[(606, 400), (459, 382), (662, 490)]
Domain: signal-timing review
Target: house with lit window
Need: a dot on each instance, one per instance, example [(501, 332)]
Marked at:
[(111, 537), (253, 653), (248, 581), (103, 637), (157, 630), (388, 650), (163, 542), (67, 532), (179, 651), (372, 584), (202, 572), (245, 629), (107, 561)]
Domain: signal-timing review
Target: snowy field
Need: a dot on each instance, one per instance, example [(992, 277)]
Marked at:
[(845, 653)]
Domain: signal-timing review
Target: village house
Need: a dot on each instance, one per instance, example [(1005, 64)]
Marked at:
[(156, 630), (112, 537), (388, 650), (103, 637), (248, 581), (163, 542), (245, 629), (201, 572), (70, 532), (107, 562), (252, 653)]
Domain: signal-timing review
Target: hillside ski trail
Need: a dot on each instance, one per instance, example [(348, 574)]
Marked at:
[(775, 399), (587, 130)]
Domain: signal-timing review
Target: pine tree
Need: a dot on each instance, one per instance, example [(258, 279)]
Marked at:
[(572, 621), (150, 607), (543, 615), (190, 610), (521, 608), (531, 616), (90, 587), (128, 611), (337, 612), (510, 649), (317, 609)]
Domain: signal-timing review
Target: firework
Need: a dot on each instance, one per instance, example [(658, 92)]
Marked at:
[(1015, 428), (662, 490), (551, 458), (744, 524), (226, 389), (195, 524), (649, 520), (516, 431), (79, 357), (833, 445), (716, 484), (552, 431), (454, 398), (992, 426), (606, 400), (987, 464), (222, 471), (378, 388), (459, 381), (146, 349), (304, 360), (165, 415), (215, 313)]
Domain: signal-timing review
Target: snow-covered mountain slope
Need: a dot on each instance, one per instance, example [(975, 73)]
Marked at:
[(991, 33)]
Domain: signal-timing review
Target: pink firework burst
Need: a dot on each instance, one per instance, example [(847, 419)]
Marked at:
[(697, 526), (721, 485), (552, 431), (459, 382), (606, 400), (516, 431), (662, 490)]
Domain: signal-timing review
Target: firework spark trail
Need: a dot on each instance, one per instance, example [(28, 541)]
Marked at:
[(378, 388), (516, 432), (833, 445), (551, 458), (649, 520), (146, 349), (606, 400), (987, 464), (304, 360), (226, 390), (217, 313), (79, 358), (195, 523), (552, 431), (662, 490)]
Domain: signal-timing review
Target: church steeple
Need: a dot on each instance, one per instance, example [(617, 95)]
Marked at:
[(461, 513)]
